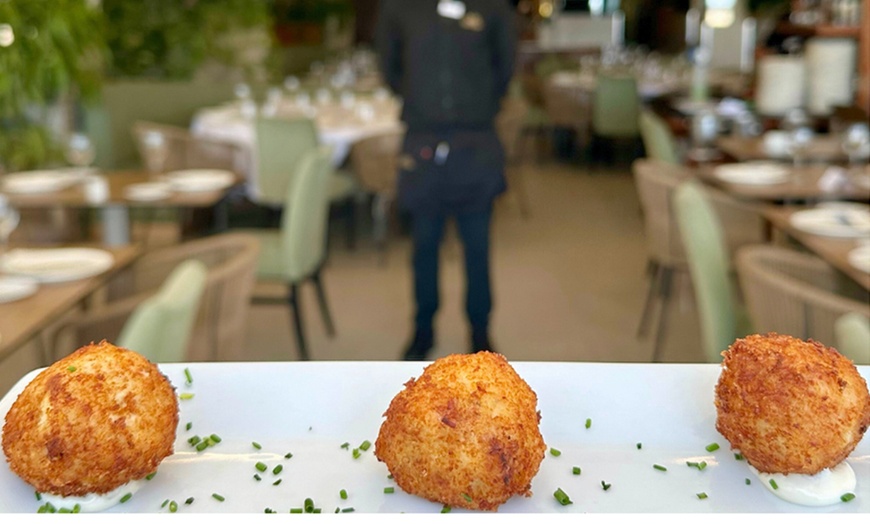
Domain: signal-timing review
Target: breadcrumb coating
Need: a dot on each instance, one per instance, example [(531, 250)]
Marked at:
[(464, 434), (790, 406), (91, 422)]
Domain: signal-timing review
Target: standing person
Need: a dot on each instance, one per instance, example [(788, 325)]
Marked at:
[(451, 61)]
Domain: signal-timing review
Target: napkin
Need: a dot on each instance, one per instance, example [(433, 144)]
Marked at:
[(833, 179)]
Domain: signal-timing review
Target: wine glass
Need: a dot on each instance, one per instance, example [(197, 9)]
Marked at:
[(800, 139), (9, 218), (155, 150), (80, 151), (856, 144)]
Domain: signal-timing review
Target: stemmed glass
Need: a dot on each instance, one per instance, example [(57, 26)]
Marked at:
[(9, 219), (856, 144), (155, 150), (80, 151)]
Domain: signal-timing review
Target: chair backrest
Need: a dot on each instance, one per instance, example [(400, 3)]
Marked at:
[(708, 264), (219, 329), (375, 161), (658, 141), (852, 333), (160, 327), (509, 125), (186, 151), (656, 182), (281, 144), (793, 293), (567, 106), (615, 107), (305, 218)]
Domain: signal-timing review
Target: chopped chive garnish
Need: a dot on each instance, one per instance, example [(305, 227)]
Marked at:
[(846, 497), (189, 501), (712, 447), (256, 445), (38, 495), (738, 456), (202, 445), (365, 445), (186, 396), (215, 438), (308, 505), (345, 445), (605, 485), (588, 423), (295, 510), (77, 508), (467, 497), (188, 377), (562, 497), (257, 477), (356, 453), (639, 445), (555, 452), (446, 509), (660, 467), (701, 495), (277, 469), (173, 507), (194, 440), (702, 465), (575, 470), (188, 426), (150, 476), (276, 482), (747, 481), (126, 497), (71, 369), (692, 464), (773, 484), (347, 510), (342, 494), (269, 510), (316, 510), (165, 502), (217, 497), (288, 456), (389, 490), (261, 467), (390, 476)]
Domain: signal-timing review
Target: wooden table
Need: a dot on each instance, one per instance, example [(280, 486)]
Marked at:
[(802, 185), (116, 206), (824, 148), (22, 320), (833, 250)]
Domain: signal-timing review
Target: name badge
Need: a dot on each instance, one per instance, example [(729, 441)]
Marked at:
[(451, 9)]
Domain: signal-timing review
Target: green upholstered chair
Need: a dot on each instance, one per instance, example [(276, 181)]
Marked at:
[(296, 252), (160, 327), (615, 109), (852, 333), (658, 141), (722, 319)]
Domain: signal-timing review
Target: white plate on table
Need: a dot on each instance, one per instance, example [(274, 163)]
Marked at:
[(859, 258), (846, 220), (753, 173), (200, 180), (310, 409), (56, 265), (36, 182), (148, 191), (14, 288)]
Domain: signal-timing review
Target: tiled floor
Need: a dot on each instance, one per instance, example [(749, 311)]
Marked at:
[(568, 285)]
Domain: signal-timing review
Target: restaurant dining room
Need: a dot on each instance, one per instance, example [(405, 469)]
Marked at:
[(429, 256)]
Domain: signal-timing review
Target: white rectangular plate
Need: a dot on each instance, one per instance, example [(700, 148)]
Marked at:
[(310, 409)]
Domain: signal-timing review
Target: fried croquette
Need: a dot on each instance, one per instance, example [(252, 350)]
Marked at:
[(464, 434), (790, 406), (91, 422)]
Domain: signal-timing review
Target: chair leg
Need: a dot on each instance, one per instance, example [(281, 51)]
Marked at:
[(652, 274), (667, 275), (324, 307), (380, 220), (296, 312)]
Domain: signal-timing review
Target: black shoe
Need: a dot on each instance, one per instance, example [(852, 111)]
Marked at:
[(419, 347), (480, 342)]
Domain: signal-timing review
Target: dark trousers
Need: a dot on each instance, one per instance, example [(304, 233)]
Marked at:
[(428, 229)]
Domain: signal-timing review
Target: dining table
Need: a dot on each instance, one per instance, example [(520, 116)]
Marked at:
[(850, 254), (22, 320), (115, 193), (620, 437), (783, 183), (820, 149)]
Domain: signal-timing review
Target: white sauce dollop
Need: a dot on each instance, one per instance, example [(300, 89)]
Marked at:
[(822, 489), (93, 502)]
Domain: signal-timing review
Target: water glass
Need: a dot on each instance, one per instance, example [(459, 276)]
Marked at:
[(856, 144), (80, 151), (9, 219), (155, 149), (800, 139)]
